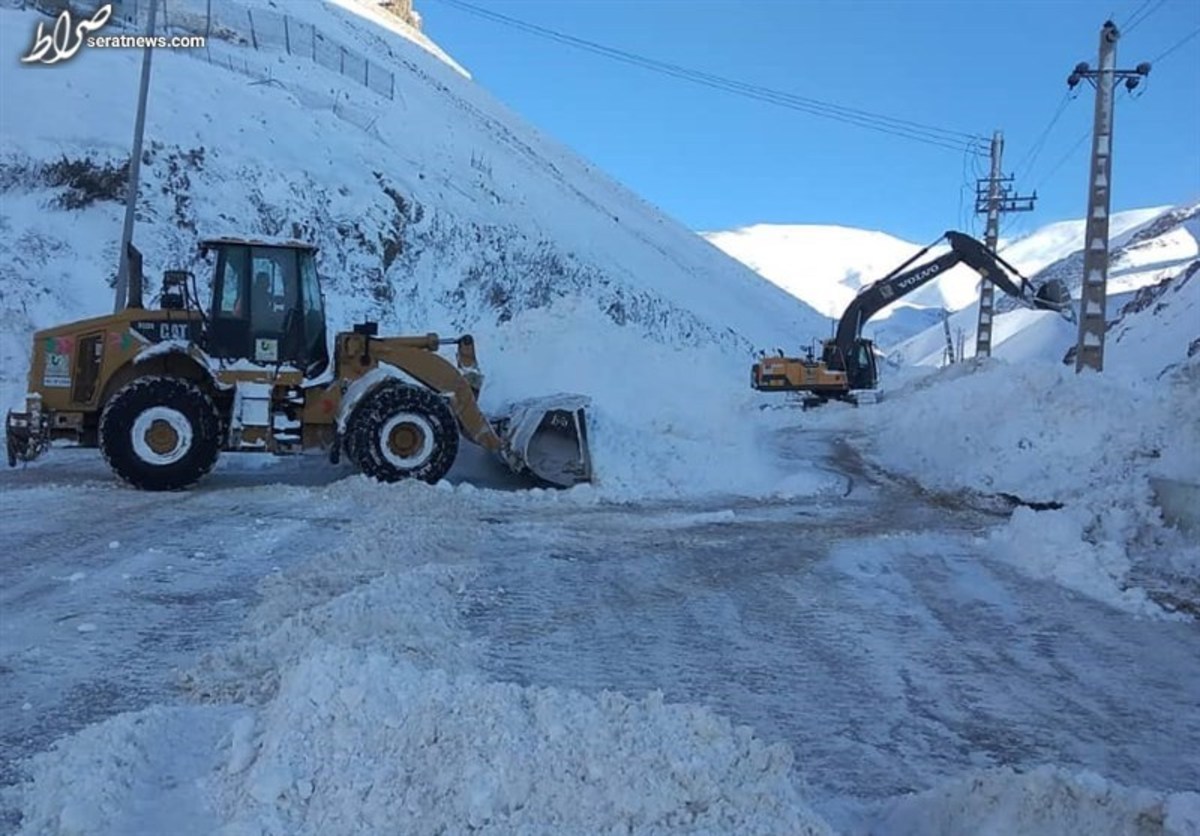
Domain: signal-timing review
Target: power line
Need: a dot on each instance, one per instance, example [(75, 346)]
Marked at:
[(1129, 27), (1136, 12), (907, 129), (1035, 150), (1063, 160), (1178, 44)]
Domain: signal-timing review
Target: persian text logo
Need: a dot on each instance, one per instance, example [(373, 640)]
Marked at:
[(65, 40)]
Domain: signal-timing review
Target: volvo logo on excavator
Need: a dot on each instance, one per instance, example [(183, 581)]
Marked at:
[(918, 276)]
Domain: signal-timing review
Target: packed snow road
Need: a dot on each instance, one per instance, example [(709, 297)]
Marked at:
[(869, 631), (864, 626)]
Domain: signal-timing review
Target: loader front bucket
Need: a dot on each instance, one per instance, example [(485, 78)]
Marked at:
[(547, 439)]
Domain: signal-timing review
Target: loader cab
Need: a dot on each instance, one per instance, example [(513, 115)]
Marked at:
[(267, 305), (859, 365)]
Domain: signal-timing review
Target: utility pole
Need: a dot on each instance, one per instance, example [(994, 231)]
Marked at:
[(949, 352), (135, 165), (993, 197), (1089, 350)]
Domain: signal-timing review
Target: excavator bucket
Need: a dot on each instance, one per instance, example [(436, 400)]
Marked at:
[(547, 439), (1054, 296)]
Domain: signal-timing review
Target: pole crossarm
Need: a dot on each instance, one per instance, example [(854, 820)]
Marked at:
[(994, 197)]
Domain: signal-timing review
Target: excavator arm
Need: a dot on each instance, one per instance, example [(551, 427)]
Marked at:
[(848, 361), (900, 282)]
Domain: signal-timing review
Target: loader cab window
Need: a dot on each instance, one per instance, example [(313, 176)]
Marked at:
[(312, 303), (231, 265), (274, 291), (261, 310)]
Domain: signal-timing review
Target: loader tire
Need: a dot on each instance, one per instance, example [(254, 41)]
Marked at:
[(404, 432), (160, 433)]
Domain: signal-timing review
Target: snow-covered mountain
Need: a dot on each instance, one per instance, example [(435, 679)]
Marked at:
[(825, 266), (438, 209)]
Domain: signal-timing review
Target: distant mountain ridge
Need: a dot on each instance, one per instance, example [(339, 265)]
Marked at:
[(825, 266)]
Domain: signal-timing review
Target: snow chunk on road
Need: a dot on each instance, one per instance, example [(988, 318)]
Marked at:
[(1053, 545), (1049, 799), (358, 741)]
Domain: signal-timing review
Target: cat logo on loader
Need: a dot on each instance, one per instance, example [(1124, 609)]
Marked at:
[(162, 392)]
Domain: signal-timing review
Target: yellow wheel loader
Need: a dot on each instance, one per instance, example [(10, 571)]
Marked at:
[(162, 392)]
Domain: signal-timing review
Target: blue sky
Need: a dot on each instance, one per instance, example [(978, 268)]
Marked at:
[(717, 161)]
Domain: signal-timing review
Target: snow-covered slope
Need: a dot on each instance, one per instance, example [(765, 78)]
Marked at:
[(826, 266), (438, 210)]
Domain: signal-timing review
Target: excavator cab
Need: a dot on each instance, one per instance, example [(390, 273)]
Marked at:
[(267, 305), (858, 364)]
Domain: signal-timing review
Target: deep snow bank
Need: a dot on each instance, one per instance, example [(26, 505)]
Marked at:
[(1039, 433)]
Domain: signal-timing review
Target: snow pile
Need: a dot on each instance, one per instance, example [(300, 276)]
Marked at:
[(1032, 429), (134, 773), (361, 743), (665, 421), (1040, 434), (1057, 545), (378, 590), (1048, 799)]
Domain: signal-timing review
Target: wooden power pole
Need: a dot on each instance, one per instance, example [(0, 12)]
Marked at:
[(1089, 350), (993, 197)]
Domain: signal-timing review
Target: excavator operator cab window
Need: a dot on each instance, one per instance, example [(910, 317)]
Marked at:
[(864, 356)]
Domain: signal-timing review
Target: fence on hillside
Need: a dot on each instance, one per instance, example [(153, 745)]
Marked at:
[(258, 29)]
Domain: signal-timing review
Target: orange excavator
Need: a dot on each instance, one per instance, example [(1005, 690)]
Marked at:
[(847, 367)]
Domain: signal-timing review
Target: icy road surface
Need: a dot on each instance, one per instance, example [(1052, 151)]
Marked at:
[(865, 627)]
